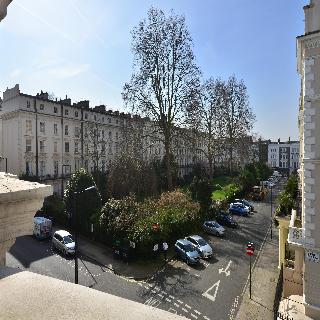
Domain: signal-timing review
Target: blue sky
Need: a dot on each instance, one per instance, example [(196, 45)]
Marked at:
[(81, 49)]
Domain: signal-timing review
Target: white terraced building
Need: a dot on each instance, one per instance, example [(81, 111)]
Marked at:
[(52, 138)]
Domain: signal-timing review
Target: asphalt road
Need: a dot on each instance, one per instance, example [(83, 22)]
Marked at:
[(211, 290)]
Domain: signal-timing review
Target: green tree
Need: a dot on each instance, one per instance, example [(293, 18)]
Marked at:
[(88, 203)]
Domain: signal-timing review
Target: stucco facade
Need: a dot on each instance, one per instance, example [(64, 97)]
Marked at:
[(302, 275)]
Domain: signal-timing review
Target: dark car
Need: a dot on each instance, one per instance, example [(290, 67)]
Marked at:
[(226, 219), (246, 203)]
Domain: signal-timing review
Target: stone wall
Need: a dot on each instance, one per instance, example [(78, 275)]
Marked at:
[(19, 201)]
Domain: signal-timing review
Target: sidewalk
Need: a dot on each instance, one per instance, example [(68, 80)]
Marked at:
[(103, 255), (264, 282)]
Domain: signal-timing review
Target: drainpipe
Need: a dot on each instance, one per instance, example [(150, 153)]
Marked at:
[(37, 151)]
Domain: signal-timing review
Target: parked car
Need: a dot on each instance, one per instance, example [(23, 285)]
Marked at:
[(246, 203), (62, 240), (226, 219), (186, 251), (239, 208), (213, 227), (201, 246)]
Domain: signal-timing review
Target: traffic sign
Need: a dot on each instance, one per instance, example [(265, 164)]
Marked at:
[(250, 249)]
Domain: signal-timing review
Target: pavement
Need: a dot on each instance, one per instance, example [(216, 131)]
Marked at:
[(265, 276)]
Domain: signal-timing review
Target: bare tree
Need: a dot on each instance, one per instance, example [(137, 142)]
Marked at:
[(236, 116), (164, 73)]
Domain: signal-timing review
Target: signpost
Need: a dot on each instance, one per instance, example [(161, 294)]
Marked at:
[(250, 252)]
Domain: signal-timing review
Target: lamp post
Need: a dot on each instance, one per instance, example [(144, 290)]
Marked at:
[(6, 159), (271, 212), (74, 215), (62, 176)]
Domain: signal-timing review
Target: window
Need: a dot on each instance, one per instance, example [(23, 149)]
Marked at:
[(41, 106), (42, 168), (95, 117), (55, 128), (55, 109), (28, 126), (109, 120), (77, 164), (66, 112), (76, 114), (102, 133), (66, 130), (29, 168), (86, 116), (66, 147), (76, 147), (117, 121), (28, 104), (55, 146), (42, 146), (56, 168), (116, 135), (110, 135), (28, 145), (42, 127), (77, 132), (102, 119)]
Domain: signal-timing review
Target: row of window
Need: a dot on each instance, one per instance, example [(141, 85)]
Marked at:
[(76, 113), (77, 130), (67, 147)]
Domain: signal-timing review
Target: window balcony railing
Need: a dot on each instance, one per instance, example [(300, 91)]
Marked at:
[(296, 233)]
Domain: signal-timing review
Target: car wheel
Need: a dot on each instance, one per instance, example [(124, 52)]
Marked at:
[(65, 252)]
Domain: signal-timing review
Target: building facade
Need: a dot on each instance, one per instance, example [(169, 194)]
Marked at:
[(284, 156), (299, 234)]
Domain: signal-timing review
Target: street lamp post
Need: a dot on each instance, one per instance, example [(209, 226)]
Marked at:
[(74, 216), (6, 159), (62, 176), (271, 213)]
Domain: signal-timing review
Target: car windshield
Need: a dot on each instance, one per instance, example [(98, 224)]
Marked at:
[(246, 202), (188, 247), (201, 242), (215, 225), (67, 239)]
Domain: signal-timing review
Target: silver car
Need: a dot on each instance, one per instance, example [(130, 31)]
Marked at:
[(201, 245), (213, 227), (63, 241)]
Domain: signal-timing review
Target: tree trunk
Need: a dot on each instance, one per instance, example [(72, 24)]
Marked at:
[(168, 161), (230, 160)]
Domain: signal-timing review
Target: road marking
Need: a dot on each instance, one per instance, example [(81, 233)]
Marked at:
[(208, 295), (197, 275), (163, 292), (168, 300), (171, 297), (206, 318), (197, 312), (185, 310), (187, 306), (179, 301), (172, 310), (192, 315), (206, 264), (160, 295), (176, 305), (152, 302), (226, 270)]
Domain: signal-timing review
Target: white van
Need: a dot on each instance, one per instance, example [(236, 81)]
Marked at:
[(42, 227)]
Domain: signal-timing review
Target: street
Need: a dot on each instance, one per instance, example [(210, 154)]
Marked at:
[(211, 290)]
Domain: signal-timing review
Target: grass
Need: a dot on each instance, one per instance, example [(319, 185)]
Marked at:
[(226, 183)]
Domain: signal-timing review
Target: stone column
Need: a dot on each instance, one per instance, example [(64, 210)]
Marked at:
[(283, 237)]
